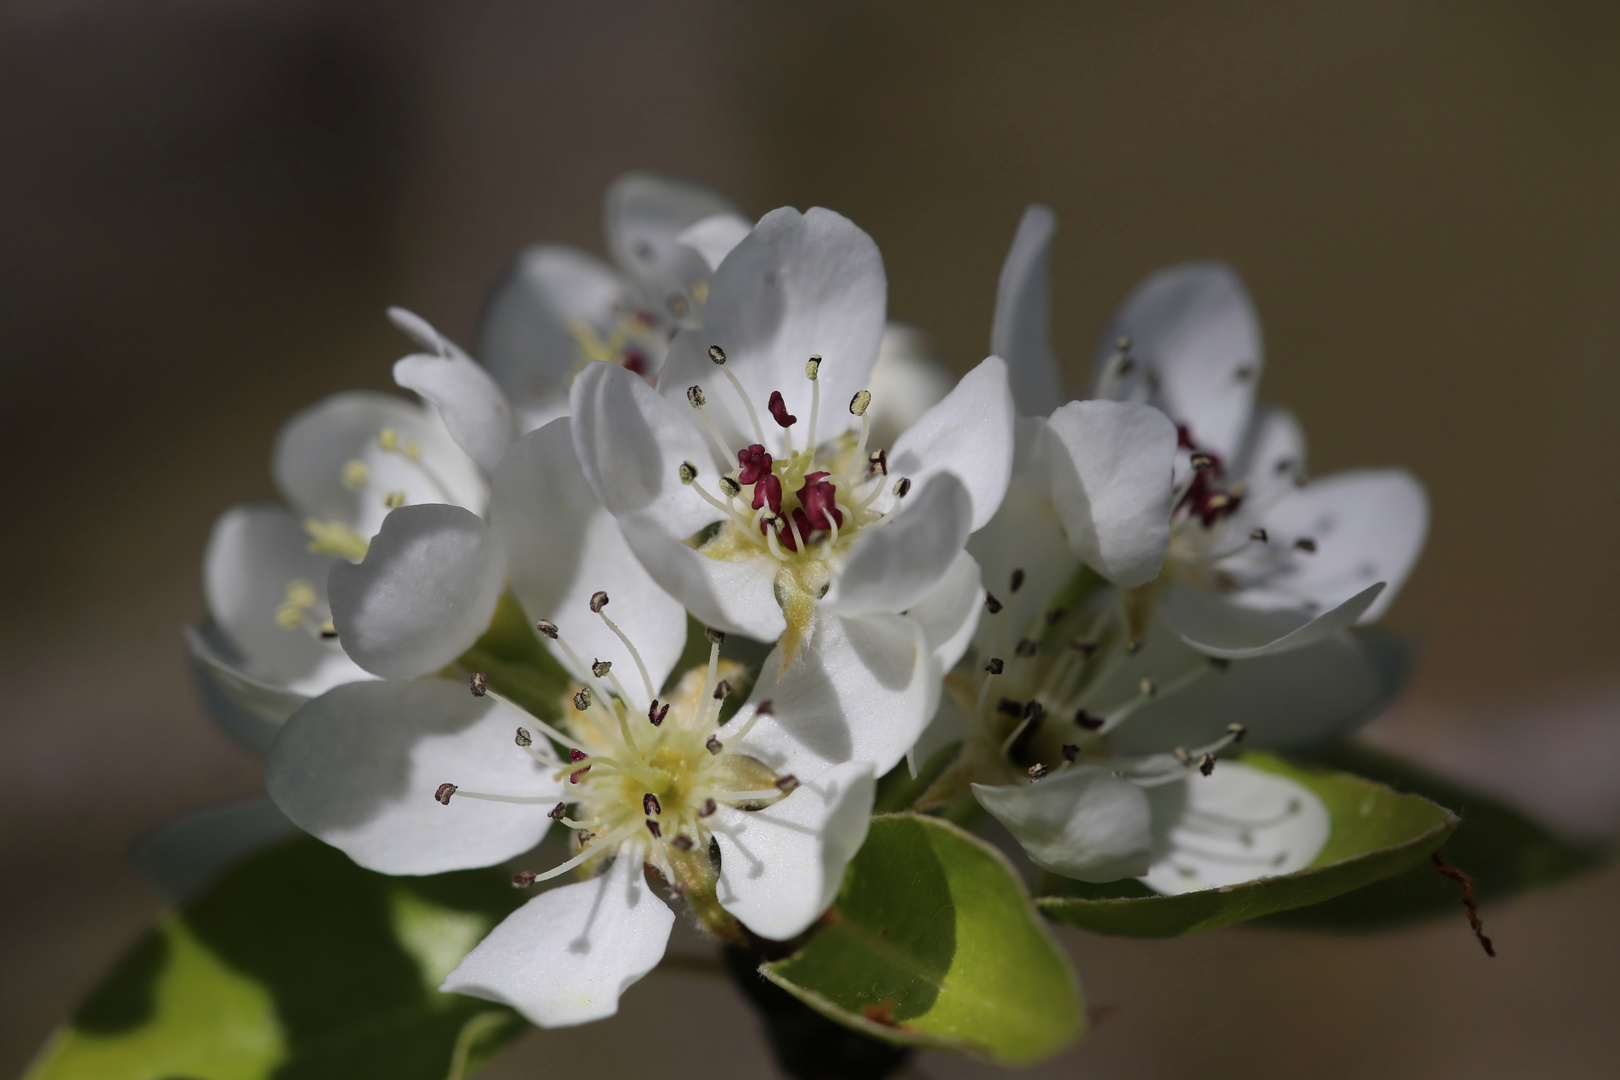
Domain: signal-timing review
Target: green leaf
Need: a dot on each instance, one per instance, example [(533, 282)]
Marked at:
[(1504, 851), (1376, 833), (933, 942), (297, 965)]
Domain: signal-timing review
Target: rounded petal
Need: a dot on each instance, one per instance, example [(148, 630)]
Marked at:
[(896, 564), (567, 956), (1084, 822), (631, 443), (258, 559), (311, 460), (738, 596), (1195, 337), (1025, 541), (249, 710), (714, 237), (1272, 456), (969, 433), (1111, 466), (644, 215), (907, 380), (949, 614), (472, 406), (526, 335), (798, 285), (358, 767), (1366, 526), (424, 593), (186, 855), (1021, 332), (1234, 825), (1217, 626), (562, 547), (781, 867), (856, 690)]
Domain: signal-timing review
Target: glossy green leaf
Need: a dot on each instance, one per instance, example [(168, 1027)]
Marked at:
[(297, 965), (1504, 851), (933, 941), (1376, 833)]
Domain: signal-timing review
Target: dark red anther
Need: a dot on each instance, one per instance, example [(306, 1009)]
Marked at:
[(779, 411), (635, 362), (1087, 721), (768, 492), (755, 461), (577, 755), (657, 711), (573, 777), (818, 497)]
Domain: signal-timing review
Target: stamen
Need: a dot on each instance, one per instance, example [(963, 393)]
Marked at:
[(556, 812), (1206, 764), (713, 745), (811, 368), (683, 842), (523, 879), (1038, 771), (442, 795), (1070, 752), (524, 738), (879, 461), (1025, 647), (1306, 544), (729, 487), (991, 603), (1258, 535), (1089, 722), (479, 684), (995, 666), (1017, 580), (656, 713), (709, 807), (787, 784), (548, 628), (582, 700), (860, 402), (721, 690), (599, 600), (650, 805), (600, 668), (902, 487)]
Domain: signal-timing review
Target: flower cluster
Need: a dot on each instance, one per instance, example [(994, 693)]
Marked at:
[(766, 553)]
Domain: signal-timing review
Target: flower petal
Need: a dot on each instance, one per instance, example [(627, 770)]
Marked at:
[(311, 461), (1021, 332), (857, 690), (472, 406), (738, 596), (358, 767), (781, 867), (1216, 626), (715, 236), (1366, 526), (566, 956), (1196, 340), (631, 443), (562, 547), (1111, 468), (526, 336), (896, 564), (1084, 822), (248, 709), (1272, 457), (256, 555), (424, 593), (1235, 825), (798, 285), (949, 613), (907, 380), (645, 215), (969, 433), (186, 855), (1025, 541)]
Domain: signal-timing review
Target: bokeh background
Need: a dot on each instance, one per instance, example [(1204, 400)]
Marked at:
[(207, 207)]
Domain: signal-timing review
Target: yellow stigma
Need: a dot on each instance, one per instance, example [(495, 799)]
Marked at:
[(355, 474)]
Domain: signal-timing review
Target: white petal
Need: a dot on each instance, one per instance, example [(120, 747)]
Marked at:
[(1084, 822), (255, 554), (949, 725), (562, 547), (185, 856), (1111, 468), (1272, 456), (1196, 339), (907, 380), (714, 237), (969, 433), (566, 956), (631, 444), (314, 448), (1235, 825), (781, 867), (1025, 539), (526, 335), (359, 765), (1293, 700), (948, 615), (738, 596), (856, 691), (424, 593), (1216, 626), (892, 566), (1021, 332), (798, 285), (645, 215), (248, 709), (472, 406), (1368, 525)]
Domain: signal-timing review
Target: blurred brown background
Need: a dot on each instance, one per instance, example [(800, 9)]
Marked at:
[(207, 206)]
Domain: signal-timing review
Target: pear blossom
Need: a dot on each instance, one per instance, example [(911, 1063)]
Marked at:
[(747, 482), (645, 770)]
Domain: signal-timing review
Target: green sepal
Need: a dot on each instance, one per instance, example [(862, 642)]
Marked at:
[(1376, 833), (299, 965), (933, 942), (1504, 851)]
